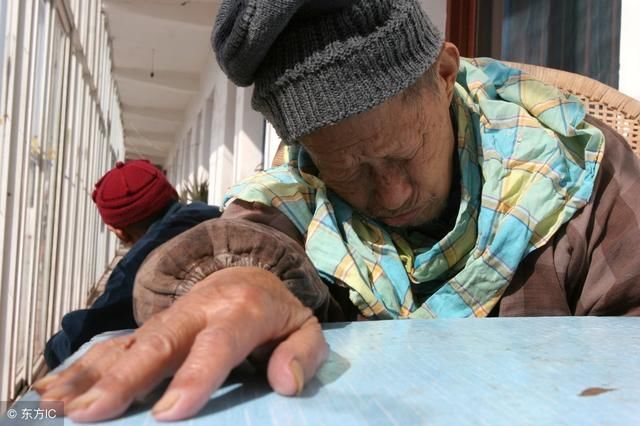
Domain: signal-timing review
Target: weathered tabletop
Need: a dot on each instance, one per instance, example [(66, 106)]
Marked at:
[(538, 371)]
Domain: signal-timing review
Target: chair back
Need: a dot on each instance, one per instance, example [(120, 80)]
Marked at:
[(619, 111)]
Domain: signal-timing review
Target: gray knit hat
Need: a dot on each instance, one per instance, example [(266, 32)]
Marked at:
[(316, 62)]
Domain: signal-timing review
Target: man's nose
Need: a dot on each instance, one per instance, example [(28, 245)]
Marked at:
[(392, 187)]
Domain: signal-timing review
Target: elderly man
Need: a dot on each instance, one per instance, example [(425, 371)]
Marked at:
[(418, 186)]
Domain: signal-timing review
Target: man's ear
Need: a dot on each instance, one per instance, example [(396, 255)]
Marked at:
[(448, 65), (121, 234)]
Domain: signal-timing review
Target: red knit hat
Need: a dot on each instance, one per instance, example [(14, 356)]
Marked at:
[(131, 192)]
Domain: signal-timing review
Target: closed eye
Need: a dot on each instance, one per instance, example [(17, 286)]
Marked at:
[(345, 176), (409, 155)]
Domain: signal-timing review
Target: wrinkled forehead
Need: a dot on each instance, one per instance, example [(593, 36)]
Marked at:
[(375, 132), (357, 134)]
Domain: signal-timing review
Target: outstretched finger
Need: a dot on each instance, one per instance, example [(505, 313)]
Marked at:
[(215, 352), (81, 375), (223, 346), (153, 356), (295, 361), (98, 358)]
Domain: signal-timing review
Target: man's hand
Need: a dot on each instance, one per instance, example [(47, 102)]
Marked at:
[(200, 339)]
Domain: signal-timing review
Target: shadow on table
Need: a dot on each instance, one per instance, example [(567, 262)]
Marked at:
[(246, 386), (334, 325), (334, 367)]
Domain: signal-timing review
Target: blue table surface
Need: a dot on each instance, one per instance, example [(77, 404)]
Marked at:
[(538, 371)]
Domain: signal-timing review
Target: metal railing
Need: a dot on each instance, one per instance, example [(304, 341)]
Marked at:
[(60, 128)]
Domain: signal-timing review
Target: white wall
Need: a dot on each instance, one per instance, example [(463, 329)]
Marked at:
[(57, 100), (629, 50), (222, 138), (220, 133), (437, 12)]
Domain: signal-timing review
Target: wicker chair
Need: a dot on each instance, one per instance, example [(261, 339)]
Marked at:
[(619, 111)]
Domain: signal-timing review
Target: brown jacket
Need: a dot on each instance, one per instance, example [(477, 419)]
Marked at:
[(591, 266)]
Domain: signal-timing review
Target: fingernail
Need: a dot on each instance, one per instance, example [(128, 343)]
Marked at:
[(41, 384), (84, 401), (166, 402), (298, 375)]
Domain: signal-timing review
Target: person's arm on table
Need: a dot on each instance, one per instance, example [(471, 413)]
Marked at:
[(205, 300), (200, 338)]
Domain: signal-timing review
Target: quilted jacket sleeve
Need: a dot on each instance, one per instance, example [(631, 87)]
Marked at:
[(246, 235)]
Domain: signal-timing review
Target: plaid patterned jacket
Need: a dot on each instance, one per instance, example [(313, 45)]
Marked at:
[(591, 265)]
